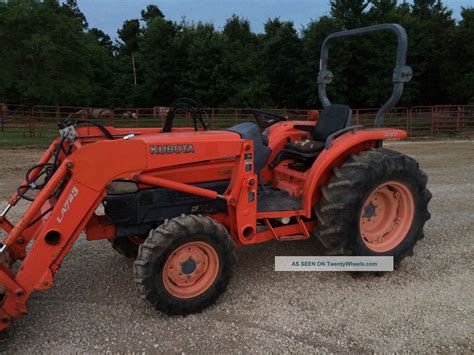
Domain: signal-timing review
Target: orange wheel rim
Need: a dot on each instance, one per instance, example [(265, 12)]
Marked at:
[(387, 216), (190, 270)]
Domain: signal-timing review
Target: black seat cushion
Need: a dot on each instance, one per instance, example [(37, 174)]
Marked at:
[(305, 148), (332, 119)]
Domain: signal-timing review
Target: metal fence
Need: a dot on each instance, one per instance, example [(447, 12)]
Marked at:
[(19, 121)]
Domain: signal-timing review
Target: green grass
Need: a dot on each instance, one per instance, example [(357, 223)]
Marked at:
[(17, 139)]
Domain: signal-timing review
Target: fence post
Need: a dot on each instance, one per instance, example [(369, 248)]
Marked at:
[(32, 132), (458, 126), (408, 123), (2, 115), (432, 122), (112, 117)]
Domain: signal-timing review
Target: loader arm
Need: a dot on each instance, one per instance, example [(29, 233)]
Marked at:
[(66, 205), (84, 180)]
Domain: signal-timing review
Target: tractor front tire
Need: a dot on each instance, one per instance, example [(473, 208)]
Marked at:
[(375, 204), (185, 264)]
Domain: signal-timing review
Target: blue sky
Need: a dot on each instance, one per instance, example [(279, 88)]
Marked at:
[(109, 15)]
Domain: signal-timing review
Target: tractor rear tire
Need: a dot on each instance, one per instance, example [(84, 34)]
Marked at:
[(375, 204), (185, 264)]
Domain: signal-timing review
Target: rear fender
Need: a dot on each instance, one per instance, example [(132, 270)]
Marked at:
[(341, 148)]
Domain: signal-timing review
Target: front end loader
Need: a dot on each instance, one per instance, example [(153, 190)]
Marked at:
[(180, 200)]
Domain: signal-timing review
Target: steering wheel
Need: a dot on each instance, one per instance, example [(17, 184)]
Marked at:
[(182, 106), (266, 119)]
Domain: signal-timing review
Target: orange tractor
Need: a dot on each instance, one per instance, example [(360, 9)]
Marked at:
[(179, 200)]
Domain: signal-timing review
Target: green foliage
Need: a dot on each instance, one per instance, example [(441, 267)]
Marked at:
[(72, 10), (460, 66), (129, 36), (282, 66), (47, 57), (102, 39), (51, 56), (160, 58), (202, 62), (241, 81), (151, 12), (349, 13)]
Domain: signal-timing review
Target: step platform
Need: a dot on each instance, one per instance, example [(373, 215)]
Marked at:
[(274, 200)]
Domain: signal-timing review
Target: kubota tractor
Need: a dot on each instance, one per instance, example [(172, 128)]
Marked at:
[(180, 200)]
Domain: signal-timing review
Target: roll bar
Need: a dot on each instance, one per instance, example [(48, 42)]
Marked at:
[(401, 73)]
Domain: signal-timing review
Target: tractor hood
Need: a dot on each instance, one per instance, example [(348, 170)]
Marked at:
[(178, 148)]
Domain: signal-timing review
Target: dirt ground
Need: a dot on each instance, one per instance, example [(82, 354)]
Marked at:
[(426, 306)]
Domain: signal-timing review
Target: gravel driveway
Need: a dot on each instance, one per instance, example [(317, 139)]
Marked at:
[(426, 306)]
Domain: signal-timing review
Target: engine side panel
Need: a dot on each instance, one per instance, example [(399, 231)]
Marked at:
[(158, 204)]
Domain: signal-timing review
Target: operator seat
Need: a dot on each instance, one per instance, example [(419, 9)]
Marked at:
[(249, 130), (332, 119)]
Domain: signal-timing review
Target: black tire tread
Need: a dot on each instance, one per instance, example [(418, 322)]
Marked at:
[(342, 196), (161, 241)]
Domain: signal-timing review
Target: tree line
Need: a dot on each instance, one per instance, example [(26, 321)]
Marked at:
[(50, 55)]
